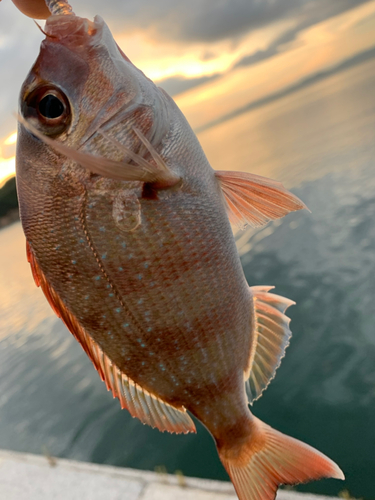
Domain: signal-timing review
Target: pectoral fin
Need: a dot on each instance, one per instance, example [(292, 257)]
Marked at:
[(255, 200), (142, 170), (147, 407)]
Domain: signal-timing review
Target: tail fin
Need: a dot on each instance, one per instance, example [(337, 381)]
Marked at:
[(271, 458)]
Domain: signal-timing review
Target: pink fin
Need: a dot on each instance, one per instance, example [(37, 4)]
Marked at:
[(269, 459), (272, 336), (255, 200), (142, 170), (140, 403)]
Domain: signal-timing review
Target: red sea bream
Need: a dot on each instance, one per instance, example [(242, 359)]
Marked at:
[(129, 236)]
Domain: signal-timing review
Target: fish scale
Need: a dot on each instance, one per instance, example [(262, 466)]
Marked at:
[(138, 247), (128, 235)]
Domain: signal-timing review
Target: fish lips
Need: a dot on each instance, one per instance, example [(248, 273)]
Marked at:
[(75, 32)]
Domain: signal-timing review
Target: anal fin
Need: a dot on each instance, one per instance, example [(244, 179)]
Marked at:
[(147, 407), (272, 336), (254, 200)]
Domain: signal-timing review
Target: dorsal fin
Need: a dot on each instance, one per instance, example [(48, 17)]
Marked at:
[(255, 200), (272, 336), (140, 403)]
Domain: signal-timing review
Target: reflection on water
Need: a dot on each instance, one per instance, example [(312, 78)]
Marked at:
[(328, 127), (320, 141)]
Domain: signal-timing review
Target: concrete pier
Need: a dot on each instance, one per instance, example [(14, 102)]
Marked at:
[(33, 477)]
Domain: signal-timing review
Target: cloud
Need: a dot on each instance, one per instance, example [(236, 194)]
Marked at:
[(350, 62), (207, 20), (178, 84), (317, 12), (176, 21)]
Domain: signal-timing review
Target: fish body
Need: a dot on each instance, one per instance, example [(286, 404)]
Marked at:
[(128, 234)]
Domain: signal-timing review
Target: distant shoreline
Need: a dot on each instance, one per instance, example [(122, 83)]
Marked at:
[(8, 219)]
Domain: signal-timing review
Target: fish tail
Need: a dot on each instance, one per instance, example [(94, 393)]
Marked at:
[(269, 458)]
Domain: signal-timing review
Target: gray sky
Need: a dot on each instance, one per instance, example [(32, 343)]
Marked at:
[(208, 20), (176, 21)]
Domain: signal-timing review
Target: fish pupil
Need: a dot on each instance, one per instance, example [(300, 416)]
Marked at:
[(51, 107)]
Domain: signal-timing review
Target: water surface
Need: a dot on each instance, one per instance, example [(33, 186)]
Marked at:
[(320, 141)]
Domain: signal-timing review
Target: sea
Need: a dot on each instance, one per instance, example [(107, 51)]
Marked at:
[(319, 140)]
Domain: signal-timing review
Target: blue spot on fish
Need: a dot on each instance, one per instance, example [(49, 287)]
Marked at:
[(123, 244), (120, 269), (74, 262), (146, 265), (58, 247), (143, 345), (125, 325), (104, 256), (149, 329), (147, 313), (118, 310), (102, 229), (87, 297), (140, 301), (97, 278), (140, 276), (81, 240), (111, 294)]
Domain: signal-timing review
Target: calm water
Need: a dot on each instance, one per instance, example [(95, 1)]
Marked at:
[(321, 142)]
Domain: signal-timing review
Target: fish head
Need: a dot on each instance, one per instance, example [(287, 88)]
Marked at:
[(79, 80), (81, 89)]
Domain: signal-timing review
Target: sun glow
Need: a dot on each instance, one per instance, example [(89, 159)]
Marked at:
[(12, 139), (7, 161), (160, 59), (7, 169)]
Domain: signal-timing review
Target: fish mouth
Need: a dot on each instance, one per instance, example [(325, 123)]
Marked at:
[(73, 31)]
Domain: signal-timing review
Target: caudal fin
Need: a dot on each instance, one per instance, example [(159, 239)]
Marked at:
[(271, 458)]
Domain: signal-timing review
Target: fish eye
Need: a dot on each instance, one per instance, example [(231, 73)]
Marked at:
[(48, 109), (51, 107)]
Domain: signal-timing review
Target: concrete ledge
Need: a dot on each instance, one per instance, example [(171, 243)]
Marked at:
[(32, 477)]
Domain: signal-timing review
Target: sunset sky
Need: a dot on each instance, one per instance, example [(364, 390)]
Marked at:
[(213, 56)]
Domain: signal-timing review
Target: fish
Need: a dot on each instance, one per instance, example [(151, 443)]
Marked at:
[(129, 234)]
